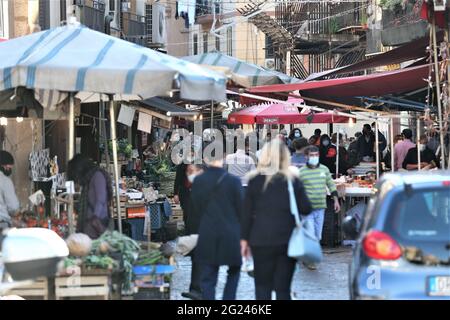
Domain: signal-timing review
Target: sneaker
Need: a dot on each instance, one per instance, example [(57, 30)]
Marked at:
[(193, 295)]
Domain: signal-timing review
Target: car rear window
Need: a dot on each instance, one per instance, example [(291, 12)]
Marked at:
[(421, 214)]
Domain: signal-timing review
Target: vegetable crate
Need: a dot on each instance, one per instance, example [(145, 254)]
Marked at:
[(155, 293), (177, 213), (82, 287), (37, 290)]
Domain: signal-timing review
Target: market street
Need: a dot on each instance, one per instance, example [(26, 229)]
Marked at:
[(328, 282)]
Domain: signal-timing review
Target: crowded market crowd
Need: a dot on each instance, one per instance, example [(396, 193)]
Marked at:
[(239, 205)]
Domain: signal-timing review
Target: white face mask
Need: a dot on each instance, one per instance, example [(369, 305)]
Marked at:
[(422, 147), (313, 161), (326, 143), (297, 134), (191, 177)]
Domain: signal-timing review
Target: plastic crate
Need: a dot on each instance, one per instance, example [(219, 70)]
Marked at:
[(158, 293), (331, 232)]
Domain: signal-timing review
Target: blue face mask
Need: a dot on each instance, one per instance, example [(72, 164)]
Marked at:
[(313, 161), (297, 134)]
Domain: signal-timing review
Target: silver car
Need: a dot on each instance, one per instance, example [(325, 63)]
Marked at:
[(403, 245)]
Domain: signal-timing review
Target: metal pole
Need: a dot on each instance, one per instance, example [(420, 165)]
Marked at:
[(337, 153), (377, 150), (71, 126), (419, 160), (212, 115), (438, 93), (392, 146), (115, 160)]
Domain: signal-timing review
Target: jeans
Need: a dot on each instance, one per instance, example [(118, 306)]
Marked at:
[(209, 282), (317, 217), (273, 272)]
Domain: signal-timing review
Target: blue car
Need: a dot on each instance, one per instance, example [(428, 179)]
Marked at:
[(403, 245)]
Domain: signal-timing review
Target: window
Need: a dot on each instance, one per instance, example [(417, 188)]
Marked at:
[(217, 43), (269, 48), (195, 44), (112, 5), (205, 42), (44, 14), (2, 30), (230, 41), (62, 10)]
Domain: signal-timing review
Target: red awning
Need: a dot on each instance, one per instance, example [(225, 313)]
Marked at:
[(377, 84), (281, 114)]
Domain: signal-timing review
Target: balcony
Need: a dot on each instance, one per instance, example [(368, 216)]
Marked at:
[(92, 14), (204, 13), (403, 24), (134, 28)]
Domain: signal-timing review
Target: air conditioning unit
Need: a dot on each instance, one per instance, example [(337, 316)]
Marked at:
[(269, 64), (159, 33)]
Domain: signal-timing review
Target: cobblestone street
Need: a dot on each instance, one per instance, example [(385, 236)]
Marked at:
[(328, 282)]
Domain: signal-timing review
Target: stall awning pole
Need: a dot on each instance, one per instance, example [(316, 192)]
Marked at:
[(438, 93), (392, 146), (419, 160), (377, 149), (337, 152), (115, 160), (71, 126), (212, 114)]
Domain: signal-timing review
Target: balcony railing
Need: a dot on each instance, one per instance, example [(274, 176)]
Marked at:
[(134, 29), (92, 14)]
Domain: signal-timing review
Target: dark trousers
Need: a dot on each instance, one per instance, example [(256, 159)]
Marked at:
[(195, 277), (273, 272), (209, 282)]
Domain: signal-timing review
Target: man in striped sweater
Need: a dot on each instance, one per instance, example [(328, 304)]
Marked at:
[(316, 179)]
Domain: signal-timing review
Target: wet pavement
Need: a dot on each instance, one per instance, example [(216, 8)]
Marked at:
[(328, 282)]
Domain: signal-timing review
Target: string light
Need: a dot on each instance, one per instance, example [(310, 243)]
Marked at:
[(3, 121), (19, 119)]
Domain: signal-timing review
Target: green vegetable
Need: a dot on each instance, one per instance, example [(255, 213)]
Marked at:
[(127, 247)]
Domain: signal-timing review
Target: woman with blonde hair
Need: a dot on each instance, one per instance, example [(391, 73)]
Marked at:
[(267, 221)]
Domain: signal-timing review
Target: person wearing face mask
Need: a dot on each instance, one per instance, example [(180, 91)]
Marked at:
[(9, 204), (316, 179), (295, 134), (325, 143), (428, 159)]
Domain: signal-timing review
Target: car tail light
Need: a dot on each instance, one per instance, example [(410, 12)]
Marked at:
[(446, 183), (379, 245)]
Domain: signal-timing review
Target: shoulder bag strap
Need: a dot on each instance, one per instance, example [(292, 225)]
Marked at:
[(293, 203)]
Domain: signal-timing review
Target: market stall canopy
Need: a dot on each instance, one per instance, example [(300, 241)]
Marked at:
[(166, 107), (377, 84), (74, 58), (242, 73), (414, 50), (282, 114)]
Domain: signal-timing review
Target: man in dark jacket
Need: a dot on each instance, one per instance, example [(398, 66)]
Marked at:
[(217, 200), (366, 144), (428, 159)]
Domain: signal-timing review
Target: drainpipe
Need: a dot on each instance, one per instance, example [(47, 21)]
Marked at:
[(108, 19)]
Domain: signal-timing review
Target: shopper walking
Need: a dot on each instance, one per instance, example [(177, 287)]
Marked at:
[(191, 228), (239, 163), (316, 179), (267, 221), (217, 198), (298, 159)]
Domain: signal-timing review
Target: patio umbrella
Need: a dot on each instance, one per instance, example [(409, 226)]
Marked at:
[(74, 59), (242, 73), (278, 113)]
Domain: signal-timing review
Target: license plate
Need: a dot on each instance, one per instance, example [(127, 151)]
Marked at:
[(439, 286)]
